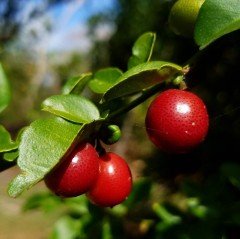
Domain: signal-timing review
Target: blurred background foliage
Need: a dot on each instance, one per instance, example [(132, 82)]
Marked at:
[(192, 196)]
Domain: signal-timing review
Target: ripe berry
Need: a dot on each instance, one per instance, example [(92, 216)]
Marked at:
[(177, 121), (76, 173), (114, 181)]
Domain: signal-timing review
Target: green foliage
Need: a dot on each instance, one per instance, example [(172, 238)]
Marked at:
[(71, 107), (46, 141), (5, 92), (6, 143), (76, 85), (142, 49), (141, 192), (11, 155), (104, 79), (66, 228), (46, 202), (43, 144), (177, 197), (216, 18), (142, 77), (183, 15)]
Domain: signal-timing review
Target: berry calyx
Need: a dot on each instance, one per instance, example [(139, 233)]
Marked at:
[(76, 173), (177, 121), (114, 181)]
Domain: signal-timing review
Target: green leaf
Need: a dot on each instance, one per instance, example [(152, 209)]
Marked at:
[(11, 156), (78, 205), (141, 192), (71, 107), (46, 202), (66, 228), (142, 49), (106, 230), (5, 92), (6, 143), (142, 77), (196, 208), (166, 216), (76, 85), (42, 145), (216, 18), (104, 79)]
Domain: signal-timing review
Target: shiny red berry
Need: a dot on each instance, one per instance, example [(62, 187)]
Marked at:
[(114, 181), (76, 173), (177, 121)]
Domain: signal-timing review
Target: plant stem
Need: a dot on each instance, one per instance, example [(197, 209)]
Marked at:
[(145, 95)]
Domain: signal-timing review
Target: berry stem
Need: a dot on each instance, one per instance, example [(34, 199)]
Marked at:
[(143, 97), (101, 151)]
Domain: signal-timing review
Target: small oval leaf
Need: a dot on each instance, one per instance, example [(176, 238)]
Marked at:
[(42, 145), (71, 107), (216, 18), (11, 156), (142, 77), (76, 85), (104, 79), (6, 143), (5, 92), (142, 49)]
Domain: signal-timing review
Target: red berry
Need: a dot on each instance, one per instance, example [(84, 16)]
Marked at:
[(76, 173), (114, 181), (177, 121)]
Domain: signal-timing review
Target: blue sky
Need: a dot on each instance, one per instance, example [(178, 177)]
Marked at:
[(86, 10), (70, 32)]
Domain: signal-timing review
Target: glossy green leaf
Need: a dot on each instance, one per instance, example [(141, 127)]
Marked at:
[(42, 145), (6, 143), (142, 77), (76, 85), (216, 18), (104, 79), (71, 107), (5, 92), (142, 49)]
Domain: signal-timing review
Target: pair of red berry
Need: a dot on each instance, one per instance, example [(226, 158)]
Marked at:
[(106, 180)]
